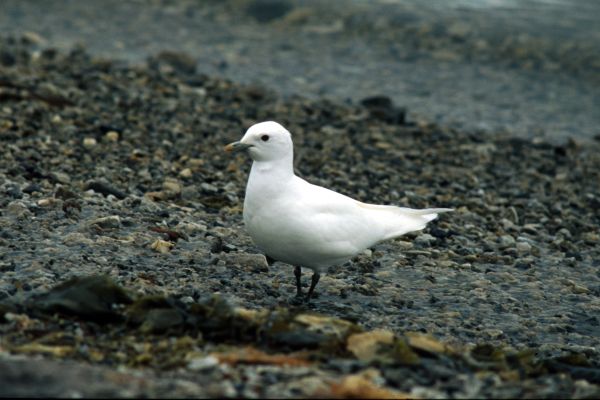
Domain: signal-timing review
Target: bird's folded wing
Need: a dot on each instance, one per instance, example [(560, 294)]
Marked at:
[(345, 225)]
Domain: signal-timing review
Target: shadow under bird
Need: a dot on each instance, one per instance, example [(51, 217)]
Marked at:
[(305, 225)]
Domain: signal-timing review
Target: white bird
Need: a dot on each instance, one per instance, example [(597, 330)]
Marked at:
[(306, 225)]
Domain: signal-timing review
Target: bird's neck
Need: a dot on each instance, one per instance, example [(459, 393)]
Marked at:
[(273, 172)]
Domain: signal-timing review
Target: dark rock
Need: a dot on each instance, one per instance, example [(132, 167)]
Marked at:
[(217, 245), (32, 187), (7, 58), (13, 191), (156, 314), (91, 298), (64, 193), (181, 62), (105, 188), (267, 10), (382, 108)]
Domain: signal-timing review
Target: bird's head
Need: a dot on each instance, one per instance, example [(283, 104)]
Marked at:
[(265, 141)]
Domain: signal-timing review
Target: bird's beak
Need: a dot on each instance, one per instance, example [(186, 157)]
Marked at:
[(237, 146)]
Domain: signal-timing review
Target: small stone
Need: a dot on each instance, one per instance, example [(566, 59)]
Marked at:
[(203, 363), (446, 264), (32, 188), (404, 245), (493, 333), (575, 287), (89, 142), (208, 188), (591, 238), (192, 228), (60, 177), (190, 193), (48, 202), (579, 289), (506, 241), (172, 185), (185, 173), (523, 247), (105, 188), (253, 262), (187, 299), (111, 222), (162, 246), (17, 209), (112, 136), (76, 238), (158, 196), (33, 37), (532, 229), (565, 233), (174, 61), (64, 193), (195, 163), (365, 345), (424, 240), (524, 263)]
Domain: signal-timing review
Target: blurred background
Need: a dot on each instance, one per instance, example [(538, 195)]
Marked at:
[(529, 68)]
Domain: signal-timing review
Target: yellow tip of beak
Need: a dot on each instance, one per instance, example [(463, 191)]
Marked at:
[(236, 146)]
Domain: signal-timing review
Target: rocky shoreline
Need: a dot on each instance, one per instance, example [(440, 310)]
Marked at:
[(124, 261), (529, 68)]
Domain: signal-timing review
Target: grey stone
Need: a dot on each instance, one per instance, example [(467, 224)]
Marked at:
[(253, 262), (110, 222)]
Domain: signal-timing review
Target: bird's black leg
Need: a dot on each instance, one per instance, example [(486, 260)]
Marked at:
[(313, 282), (298, 274)]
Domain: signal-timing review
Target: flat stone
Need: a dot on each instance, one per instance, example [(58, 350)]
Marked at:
[(506, 241), (110, 222), (253, 262)]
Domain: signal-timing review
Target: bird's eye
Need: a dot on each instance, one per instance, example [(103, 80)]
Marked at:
[(264, 138)]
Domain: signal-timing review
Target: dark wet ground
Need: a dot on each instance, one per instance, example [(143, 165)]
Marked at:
[(119, 171)]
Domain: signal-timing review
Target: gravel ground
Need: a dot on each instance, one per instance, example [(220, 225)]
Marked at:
[(113, 171)]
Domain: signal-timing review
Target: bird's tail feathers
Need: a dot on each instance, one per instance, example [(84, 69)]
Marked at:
[(409, 219)]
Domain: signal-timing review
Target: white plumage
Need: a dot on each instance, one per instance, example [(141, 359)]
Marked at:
[(306, 225)]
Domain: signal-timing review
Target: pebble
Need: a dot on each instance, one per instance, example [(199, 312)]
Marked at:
[(110, 222), (186, 173), (523, 247), (104, 187), (77, 238), (172, 186), (203, 363), (17, 209), (252, 262), (505, 241), (32, 188), (162, 246), (111, 136), (208, 188), (424, 240), (89, 142), (193, 228), (60, 177)]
